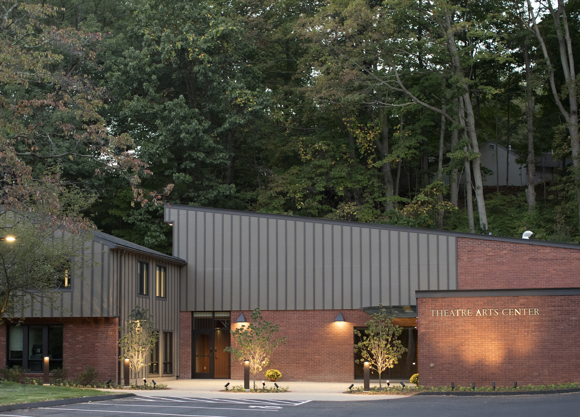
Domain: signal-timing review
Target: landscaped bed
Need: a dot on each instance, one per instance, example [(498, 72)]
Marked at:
[(15, 393), (459, 390)]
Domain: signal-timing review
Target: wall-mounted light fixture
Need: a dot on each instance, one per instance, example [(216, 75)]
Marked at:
[(339, 317), (8, 238), (241, 319)]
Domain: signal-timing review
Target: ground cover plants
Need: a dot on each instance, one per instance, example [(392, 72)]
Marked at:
[(240, 388), (409, 390)]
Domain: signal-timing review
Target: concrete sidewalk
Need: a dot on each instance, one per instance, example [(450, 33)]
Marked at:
[(298, 391)]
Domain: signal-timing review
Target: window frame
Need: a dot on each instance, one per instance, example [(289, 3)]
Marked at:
[(167, 353), (67, 271), (155, 355), (158, 268), (143, 279)]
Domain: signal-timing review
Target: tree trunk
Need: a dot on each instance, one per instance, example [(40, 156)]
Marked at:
[(440, 167), (468, 185), (455, 173), (383, 147), (496, 150), (470, 126), (530, 192)]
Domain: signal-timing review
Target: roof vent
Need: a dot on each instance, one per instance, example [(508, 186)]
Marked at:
[(527, 234)]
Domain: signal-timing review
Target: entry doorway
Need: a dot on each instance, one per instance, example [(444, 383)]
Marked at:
[(210, 336)]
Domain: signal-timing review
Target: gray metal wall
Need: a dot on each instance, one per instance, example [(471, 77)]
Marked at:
[(241, 260)]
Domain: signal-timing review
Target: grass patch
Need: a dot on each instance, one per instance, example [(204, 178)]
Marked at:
[(14, 393)]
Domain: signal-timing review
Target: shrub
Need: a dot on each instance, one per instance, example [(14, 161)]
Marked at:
[(59, 374), (14, 374), (414, 379), (87, 376), (273, 374)]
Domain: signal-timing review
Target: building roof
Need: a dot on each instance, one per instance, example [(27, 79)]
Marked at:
[(117, 243), (375, 226)]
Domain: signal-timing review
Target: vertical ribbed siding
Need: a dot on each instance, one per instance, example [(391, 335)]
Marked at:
[(245, 260)]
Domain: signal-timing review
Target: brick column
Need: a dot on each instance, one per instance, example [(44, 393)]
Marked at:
[(185, 345)]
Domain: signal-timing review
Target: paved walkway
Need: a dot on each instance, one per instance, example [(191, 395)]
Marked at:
[(298, 391)]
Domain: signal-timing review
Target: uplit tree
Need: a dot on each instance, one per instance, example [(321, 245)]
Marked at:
[(380, 345), (139, 339), (256, 342)]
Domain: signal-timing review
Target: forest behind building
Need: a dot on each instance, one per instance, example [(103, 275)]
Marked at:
[(454, 115)]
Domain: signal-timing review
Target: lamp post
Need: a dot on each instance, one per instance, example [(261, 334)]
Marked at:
[(46, 377), (126, 371), (247, 375), (367, 375), (8, 238)]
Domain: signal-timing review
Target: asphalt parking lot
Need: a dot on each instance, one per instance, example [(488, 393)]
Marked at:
[(440, 406)]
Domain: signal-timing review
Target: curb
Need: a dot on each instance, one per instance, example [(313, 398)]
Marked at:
[(67, 401), (488, 393)]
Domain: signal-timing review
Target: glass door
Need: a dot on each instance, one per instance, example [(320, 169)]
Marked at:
[(203, 349), (210, 336)]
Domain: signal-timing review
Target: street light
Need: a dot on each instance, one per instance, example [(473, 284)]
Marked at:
[(8, 238)]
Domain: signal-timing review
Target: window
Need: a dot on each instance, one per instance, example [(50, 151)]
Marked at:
[(168, 353), (154, 366), (143, 278), (160, 282), (28, 345), (64, 278)]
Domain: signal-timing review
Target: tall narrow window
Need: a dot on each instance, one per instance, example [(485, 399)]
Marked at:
[(63, 276), (15, 346), (154, 366), (168, 353), (143, 278), (160, 282)]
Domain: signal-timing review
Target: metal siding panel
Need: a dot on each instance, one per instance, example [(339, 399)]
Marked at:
[(245, 264), (337, 267), (405, 278), (272, 276), (291, 248), (442, 261), (385, 267), (318, 262), (263, 248), (217, 262), (199, 262), (208, 270), (375, 258), (347, 267), (452, 262), (309, 266), (423, 260), (433, 261), (281, 266), (327, 283), (227, 271), (236, 265), (182, 232), (98, 274), (395, 295), (366, 266), (300, 265), (356, 267), (254, 266)]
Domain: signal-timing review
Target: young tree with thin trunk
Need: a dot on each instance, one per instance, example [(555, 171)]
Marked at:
[(379, 346), (255, 343)]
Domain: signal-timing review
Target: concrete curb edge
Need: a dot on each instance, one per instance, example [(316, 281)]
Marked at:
[(67, 401), (487, 393)]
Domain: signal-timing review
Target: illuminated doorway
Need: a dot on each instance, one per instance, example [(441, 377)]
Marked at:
[(210, 336)]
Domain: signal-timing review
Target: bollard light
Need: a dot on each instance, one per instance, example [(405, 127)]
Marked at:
[(388, 383), (263, 385), (46, 376), (144, 381), (227, 385), (247, 375), (126, 371), (367, 375)]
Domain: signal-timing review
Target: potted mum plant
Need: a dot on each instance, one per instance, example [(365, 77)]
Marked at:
[(273, 374)]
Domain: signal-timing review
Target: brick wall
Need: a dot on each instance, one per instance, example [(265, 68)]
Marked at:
[(530, 349), (487, 264), (317, 349), (185, 345), (86, 342)]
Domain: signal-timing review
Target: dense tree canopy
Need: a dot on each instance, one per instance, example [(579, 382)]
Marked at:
[(365, 110)]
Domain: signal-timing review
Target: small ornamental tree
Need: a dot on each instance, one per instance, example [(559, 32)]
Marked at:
[(380, 346), (255, 343), (139, 339)]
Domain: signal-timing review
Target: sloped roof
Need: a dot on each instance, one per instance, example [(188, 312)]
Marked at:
[(117, 243)]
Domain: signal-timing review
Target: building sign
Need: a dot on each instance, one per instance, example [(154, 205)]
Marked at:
[(489, 312)]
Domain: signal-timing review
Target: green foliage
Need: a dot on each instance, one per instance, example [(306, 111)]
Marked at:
[(14, 373), (414, 379), (87, 376), (59, 374), (139, 338), (255, 342), (380, 346), (273, 374)]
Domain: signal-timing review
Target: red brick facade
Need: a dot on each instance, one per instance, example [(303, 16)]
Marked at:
[(86, 342), (185, 345), (538, 346), (491, 264)]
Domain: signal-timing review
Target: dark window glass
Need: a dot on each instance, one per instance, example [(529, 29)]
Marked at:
[(28, 345), (160, 282), (203, 320), (154, 366), (143, 278), (168, 353)]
